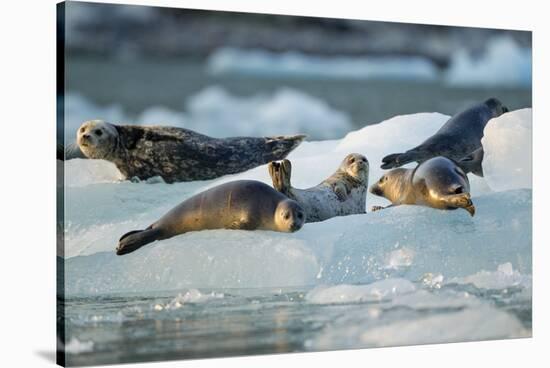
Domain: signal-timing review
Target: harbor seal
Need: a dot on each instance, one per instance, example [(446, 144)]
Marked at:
[(242, 204), (459, 137), (341, 194), (178, 154), (437, 183)]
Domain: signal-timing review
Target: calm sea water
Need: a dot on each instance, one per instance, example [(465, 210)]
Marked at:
[(164, 326)]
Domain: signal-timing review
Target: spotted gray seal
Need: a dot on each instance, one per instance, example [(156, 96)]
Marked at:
[(458, 138), (438, 182), (241, 204), (341, 194), (178, 154)]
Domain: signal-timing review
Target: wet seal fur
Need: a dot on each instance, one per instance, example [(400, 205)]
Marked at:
[(458, 139), (178, 154), (242, 204), (437, 183), (341, 194)]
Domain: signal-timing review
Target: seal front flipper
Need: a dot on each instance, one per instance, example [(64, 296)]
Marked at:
[(462, 200), (136, 239), (472, 162), (340, 190)]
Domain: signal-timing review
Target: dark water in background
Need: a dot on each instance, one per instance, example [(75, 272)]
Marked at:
[(139, 84)]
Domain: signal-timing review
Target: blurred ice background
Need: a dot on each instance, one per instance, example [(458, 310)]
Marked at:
[(406, 275), (324, 77)]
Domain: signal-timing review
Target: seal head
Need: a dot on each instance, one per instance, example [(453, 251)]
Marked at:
[(356, 166), (97, 139), (289, 216)]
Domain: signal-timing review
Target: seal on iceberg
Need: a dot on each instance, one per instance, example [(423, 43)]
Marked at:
[(178, 154), (341, 194), (438, 183), (242, 204), (457, 139)]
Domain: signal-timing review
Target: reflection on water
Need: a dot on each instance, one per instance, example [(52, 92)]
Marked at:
[(129, 328)]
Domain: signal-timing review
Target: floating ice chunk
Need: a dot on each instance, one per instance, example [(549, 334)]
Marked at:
[(287, 111), (81, 172), (351, 249), (503, 63), (192, 296), (504, 277), (507, 142), (376, 291), (74, 346), (214, 111), (483, 323), (296, 64)]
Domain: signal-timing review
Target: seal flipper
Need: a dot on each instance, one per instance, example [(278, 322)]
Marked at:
[(279, 147), (397, 160), (136, 239), (280, 175), (472, 162)]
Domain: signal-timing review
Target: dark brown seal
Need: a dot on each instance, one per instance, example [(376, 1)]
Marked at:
[(457, 139), (437, 182), (242, 204), (341, 194), (178, 154)]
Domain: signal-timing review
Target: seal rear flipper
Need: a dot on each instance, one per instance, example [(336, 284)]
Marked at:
[(136, 239), (279, 147), (396, 160), (280, 175)]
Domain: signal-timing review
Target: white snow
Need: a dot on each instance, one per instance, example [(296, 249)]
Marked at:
[(504, 63), (406, 242), (508, 142), (264, 63)]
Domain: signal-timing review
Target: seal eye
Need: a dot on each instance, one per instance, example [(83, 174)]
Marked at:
[(82, 130), (98, 132), (286, 215), (352, 160), (300, 215)]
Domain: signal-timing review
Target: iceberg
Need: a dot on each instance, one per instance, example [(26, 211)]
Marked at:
[(405, 242), (504, 63), (268, 64), (508, 145)]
